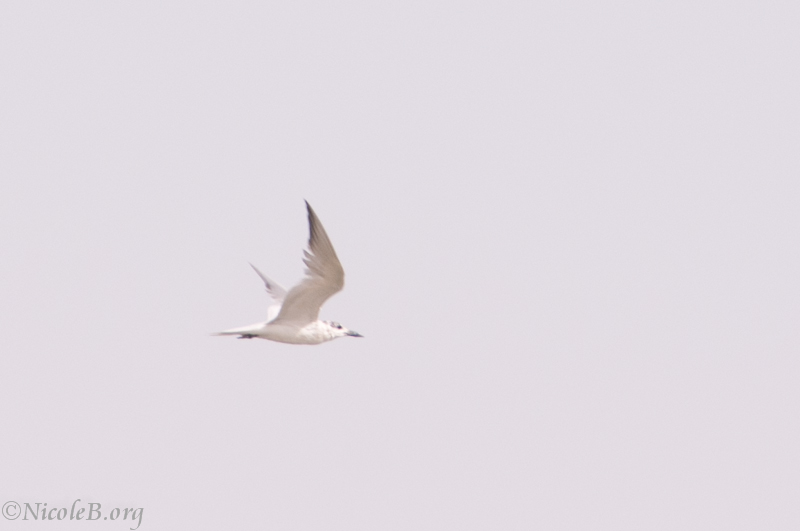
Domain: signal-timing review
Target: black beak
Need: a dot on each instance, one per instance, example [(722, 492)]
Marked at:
[(354, 334)]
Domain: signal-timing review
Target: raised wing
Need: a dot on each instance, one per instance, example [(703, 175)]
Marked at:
[(275, 290), (324, 278)]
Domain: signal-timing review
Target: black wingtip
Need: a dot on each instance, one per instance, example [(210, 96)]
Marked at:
[(311, 217)]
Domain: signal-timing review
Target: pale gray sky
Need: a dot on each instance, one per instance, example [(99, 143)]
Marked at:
[(570, 232)]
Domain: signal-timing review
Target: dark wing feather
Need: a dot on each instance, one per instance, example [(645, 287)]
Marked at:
[(324, 278)]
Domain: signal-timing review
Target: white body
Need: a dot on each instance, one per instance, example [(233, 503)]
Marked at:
[(311, 334), (293, 317)]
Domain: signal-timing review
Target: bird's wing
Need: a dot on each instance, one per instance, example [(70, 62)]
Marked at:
[(324, 277), (275, 290)]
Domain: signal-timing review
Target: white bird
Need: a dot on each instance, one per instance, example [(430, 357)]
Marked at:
[(294, 316)]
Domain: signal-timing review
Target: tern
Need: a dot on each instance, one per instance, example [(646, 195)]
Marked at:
[(294, 315)]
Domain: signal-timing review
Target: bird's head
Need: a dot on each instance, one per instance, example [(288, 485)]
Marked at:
[(338, 330)]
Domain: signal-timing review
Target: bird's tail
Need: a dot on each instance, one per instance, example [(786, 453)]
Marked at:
[(249, 330)]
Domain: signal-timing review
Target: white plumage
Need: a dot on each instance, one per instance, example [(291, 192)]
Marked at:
[(294, 315)]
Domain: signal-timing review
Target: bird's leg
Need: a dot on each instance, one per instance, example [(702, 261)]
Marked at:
[(246, 336)]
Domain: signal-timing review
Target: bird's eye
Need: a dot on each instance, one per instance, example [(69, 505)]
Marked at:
[(339, 326)]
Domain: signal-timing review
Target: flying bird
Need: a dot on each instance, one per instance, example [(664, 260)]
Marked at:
[(293, 316)]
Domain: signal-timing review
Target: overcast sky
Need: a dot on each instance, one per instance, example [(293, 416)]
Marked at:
[(570, 233)]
